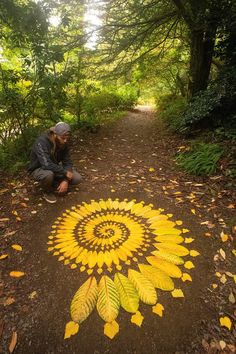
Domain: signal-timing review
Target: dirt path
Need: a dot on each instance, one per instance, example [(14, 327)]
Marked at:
[(132, 159)]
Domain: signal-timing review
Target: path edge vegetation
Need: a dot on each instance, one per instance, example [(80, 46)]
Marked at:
[(49, 73)]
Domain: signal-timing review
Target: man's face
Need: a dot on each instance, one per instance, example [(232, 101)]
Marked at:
[(62, 139)]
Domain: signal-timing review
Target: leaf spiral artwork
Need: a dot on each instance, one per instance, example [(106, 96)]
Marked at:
[(107, 237)]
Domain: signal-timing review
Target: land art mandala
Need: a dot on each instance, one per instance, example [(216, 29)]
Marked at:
[(106, 237)]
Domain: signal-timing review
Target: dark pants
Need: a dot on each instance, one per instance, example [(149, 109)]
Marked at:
[(49, 180)]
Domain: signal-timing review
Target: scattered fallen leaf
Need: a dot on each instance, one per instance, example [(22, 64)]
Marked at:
[(193, 211), (222, 344), (32, 295), (34, 212), (151, 169), (71, 329), (177, 293), (9, 301), (218, 274), (179, 222), (225, 322), (231, 206), (223, 279), (13, 342), (188, 265), (137, 319), (14, 212), (222, 253), (231, 298), (224, 237), (16, 274), (4, 190), (158, 309), (207, 234), (214, 286), (111, 329), (4, 219), (234, 252), (16, 247), (3, 256)]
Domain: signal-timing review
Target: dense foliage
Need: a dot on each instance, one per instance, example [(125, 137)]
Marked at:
[(179, 54)]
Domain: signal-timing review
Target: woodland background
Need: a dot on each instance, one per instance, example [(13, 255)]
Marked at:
[(86, 62)]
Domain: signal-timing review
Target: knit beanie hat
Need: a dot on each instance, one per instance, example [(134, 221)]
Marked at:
[(61, 128)]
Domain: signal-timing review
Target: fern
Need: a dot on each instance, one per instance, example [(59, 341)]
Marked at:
[(202, 159)]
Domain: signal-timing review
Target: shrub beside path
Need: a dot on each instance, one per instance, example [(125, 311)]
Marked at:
[(132, 158)]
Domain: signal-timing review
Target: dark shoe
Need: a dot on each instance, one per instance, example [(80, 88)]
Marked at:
[(50, 198)]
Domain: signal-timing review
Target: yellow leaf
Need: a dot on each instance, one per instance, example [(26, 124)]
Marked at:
[(218, 274), (169, 238), (224, 237), (222, 253), (169, 268), (71, 329), (84, 300), (158, 278), (185, 230), (214, 286), (129, 298), (108, 300), (186, 276), (16, 274), (234, 252), (3, 256), (169, 257), (137, 319), (158, 309), (17, 247), (188, 240), (173, 248), (189, 265), (179, 222), (111, 329), (144, 287), (151, 169), (223, 279), (193, 211), (225, 322), (194, 253), (177, 293)]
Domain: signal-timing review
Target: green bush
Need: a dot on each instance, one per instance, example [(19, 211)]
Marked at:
[(171, 109), (15, 152), (214, 107), (201, 159)]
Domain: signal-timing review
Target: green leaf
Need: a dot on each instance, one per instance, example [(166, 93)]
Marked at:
[(129, 298)]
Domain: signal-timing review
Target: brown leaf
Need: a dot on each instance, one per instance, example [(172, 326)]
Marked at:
[(4, 219), (4, 190), (13, 342), (9, 301), (205, 345)]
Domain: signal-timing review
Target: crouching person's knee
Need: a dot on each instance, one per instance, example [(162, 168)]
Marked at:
[(47, 180), (77, 178)]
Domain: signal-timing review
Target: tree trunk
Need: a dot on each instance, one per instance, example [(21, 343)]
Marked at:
[(201, 53)]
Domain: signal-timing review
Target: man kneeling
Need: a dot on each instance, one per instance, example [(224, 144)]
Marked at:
[(51, 164)]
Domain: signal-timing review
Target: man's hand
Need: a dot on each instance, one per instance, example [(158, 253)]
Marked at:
[(63, 187), (69, 175)]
